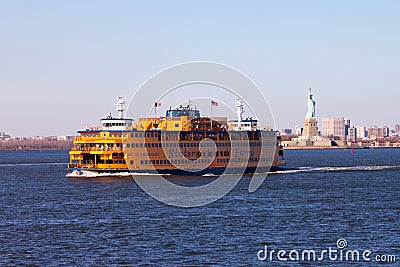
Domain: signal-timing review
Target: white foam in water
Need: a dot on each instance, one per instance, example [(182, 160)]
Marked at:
[(338, 169), (209, 175), (93, 174)]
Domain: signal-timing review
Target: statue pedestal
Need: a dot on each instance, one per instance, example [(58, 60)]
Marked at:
[(310, 128)]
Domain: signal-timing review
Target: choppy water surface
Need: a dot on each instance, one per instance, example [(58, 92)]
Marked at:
[(47, 218)]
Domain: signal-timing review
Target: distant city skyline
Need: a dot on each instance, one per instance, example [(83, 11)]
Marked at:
[(64, 63)]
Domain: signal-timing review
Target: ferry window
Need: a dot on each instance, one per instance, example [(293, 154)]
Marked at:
[(136, 135), (184, 144), (226, 153), (174, 144), (152, 144), (176, 124), (157, 161), (165, 161), (128, 145)]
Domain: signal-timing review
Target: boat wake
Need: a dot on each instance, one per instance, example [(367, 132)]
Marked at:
[(338, 169), (93, 174), (209, 175)]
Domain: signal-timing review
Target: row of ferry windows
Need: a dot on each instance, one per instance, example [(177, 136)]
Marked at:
[(226, 160), (98, 135), (117, 124), (174, 161), (206, 144), (178, 161), (211, 134)]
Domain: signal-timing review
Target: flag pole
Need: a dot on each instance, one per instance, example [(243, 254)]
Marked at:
[(155, 113), (211, 104)]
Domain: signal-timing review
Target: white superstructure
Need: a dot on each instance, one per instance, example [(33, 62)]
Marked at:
[(120, 123)]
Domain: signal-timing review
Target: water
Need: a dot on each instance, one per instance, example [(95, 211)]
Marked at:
[(47, 219)]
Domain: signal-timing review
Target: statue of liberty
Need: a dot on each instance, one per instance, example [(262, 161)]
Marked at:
[(311, 107)]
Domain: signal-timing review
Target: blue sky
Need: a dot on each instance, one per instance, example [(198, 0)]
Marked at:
[(64, 63)]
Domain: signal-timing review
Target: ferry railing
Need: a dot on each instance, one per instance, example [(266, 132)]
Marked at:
[(117, 149), (95, 138)]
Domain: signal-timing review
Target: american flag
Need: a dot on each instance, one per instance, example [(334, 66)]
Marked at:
[(214, 103)]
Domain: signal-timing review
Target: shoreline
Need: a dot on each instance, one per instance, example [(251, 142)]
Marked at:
[(29, 144)]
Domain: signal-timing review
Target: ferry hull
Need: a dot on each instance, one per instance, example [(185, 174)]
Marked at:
[(213, 171)]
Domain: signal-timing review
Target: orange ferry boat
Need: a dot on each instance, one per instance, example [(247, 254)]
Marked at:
[(181, 142)]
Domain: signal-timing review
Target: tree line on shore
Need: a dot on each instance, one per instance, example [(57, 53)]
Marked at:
[(29, 144)]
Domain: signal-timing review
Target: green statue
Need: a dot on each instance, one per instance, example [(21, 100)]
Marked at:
[(311, 107)]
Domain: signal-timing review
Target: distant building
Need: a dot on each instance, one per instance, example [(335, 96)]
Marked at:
[(37, 137), (298, 130), (287, 131), (346, 126), (65, 138), (333, 127), (4, 136), (352, 134), (362, 133), (397, 128), (375, 132), (386, 131)]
